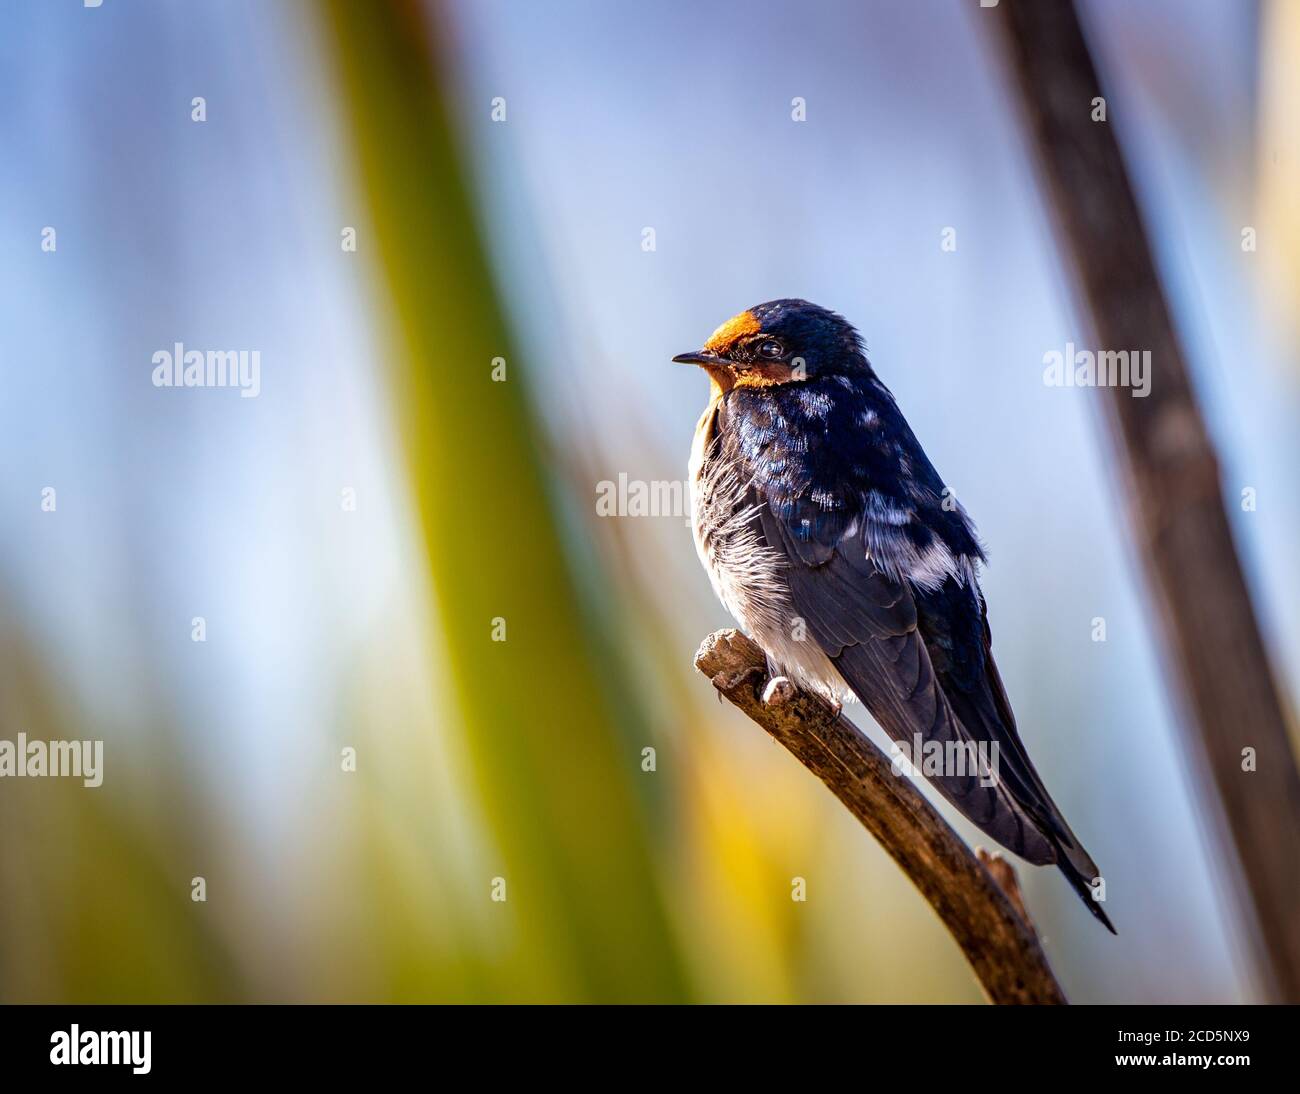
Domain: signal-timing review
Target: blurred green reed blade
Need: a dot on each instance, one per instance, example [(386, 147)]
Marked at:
[(555, 774)]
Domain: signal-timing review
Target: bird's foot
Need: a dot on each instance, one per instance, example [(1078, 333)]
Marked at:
[(779, 690), (729, 680)]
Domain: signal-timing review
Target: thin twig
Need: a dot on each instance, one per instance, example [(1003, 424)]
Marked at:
[(986, 921)]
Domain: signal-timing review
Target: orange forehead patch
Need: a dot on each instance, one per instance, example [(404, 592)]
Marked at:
[(736, 327)]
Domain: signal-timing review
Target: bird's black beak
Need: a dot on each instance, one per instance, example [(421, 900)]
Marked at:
[(699, 357)]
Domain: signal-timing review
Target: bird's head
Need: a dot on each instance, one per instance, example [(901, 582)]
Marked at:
[(780, 342)]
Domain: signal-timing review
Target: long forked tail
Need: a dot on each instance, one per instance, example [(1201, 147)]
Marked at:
[(1080, 871), (1015, 809)]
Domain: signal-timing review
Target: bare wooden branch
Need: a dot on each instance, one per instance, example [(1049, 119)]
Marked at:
[(1005, 875), (1177, 509), (987, 922)]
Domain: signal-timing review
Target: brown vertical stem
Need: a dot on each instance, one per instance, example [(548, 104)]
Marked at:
[(1215, 647)]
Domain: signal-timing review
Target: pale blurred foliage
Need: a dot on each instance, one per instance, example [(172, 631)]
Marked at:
[(1279, 161)]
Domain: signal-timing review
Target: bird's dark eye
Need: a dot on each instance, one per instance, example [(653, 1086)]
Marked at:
[(771, 348)]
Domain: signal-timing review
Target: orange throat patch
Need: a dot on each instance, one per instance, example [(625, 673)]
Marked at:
[(722, 378)]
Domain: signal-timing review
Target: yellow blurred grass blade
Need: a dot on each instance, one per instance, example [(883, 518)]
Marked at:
[(95, 882)]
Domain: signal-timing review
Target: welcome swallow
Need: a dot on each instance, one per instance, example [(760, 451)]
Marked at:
[(831, 539)]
